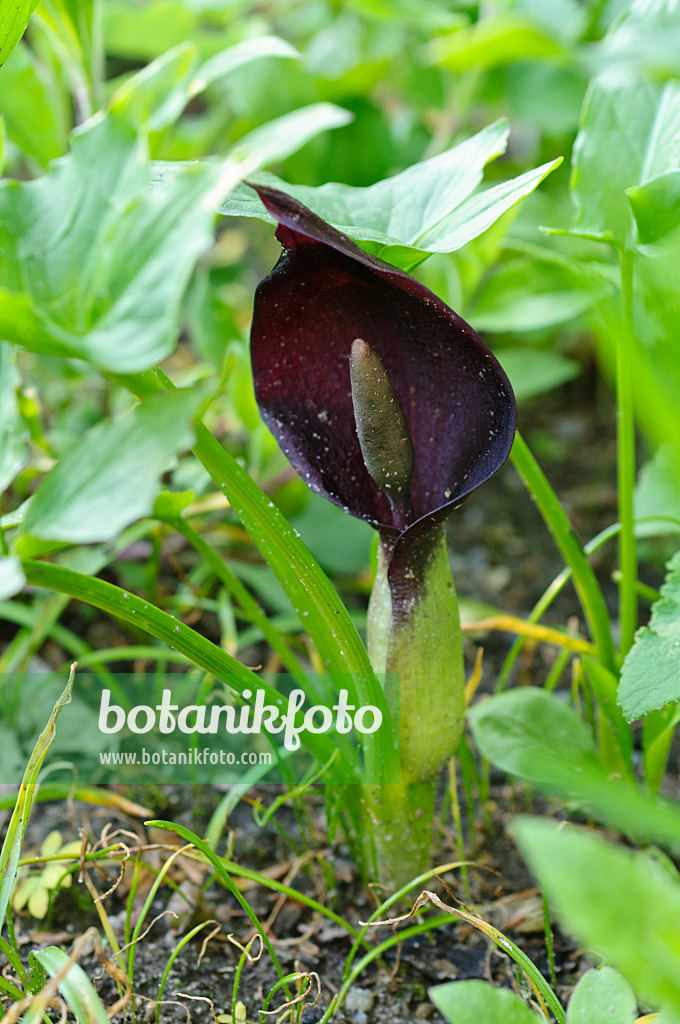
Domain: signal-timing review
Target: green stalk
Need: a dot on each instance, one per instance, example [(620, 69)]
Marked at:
[(555, 518), (625, 444), (414, 636), (546, 599)]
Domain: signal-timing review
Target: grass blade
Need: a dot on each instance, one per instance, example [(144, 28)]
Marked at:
[(11, 848)]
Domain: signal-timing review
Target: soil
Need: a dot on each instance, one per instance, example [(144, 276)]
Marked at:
[(395, 989), (501, 555)]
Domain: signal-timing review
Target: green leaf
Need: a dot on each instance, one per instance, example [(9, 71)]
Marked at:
[(12, 577), (14, 17), (623, 904), (426, 208), (650, 677), (140, 32), (602, 997), (478, 213), (535, 371), (477, 1002), (645, 43), (506, 728), (11, 847), (530, 294), (657, 493), (76, 988), (239, 56), (352, 538), (38, 975), (533, 312), (398, 209), (269, 143), (531, 733), (528, 731), (171, 504), (657, 321), (30, 104), (111, 477), (630, 134), (276, 140), (656, 206), (494, 42), (154, 97), (13, 433), (96, 264)]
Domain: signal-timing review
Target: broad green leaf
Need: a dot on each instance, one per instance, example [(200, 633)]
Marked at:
[(397, 209), (534, 294), (562, 19), (141, 32), (535, 371), (277, 139), (656, 206), (352, 538), (533, 312), (657, 322), (642, 9), (481, 210), (657, 493), (13, 434), (495, 42), (630, 134), (622, 904), (602, 997), (171, 504), (76, 988), (426, 208), (154, 97), (30, 104), (14, 17), (421, 14), (477, 1002), (650, 677), (111, 477), (96, 264), (644, 42), (267, 144), (239, 55), (12, 578), (73, 32), (532, 733)]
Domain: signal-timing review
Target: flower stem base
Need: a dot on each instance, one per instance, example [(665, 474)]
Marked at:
[(401, 816)]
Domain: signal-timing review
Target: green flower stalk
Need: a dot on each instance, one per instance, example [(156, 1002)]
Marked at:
[(389, 405)]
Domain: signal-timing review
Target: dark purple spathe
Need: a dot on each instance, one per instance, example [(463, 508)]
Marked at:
[(324, 293)]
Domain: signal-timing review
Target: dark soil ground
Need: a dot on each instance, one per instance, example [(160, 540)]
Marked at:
[(394, 989), (501, 555)]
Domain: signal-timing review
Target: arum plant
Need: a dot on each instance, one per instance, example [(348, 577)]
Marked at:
[(389, 405)]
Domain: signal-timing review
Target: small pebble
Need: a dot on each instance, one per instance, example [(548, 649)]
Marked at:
[(359, 1000)]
